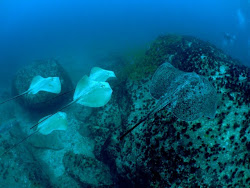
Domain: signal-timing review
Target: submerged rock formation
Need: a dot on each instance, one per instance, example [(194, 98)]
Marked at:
[(41, 101), (165, 151)]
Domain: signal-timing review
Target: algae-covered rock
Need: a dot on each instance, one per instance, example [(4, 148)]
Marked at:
[(40, 101), (20, 168), (167, 152), (87, 171)]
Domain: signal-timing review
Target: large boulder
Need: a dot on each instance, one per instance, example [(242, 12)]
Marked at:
[(165, 151), (41, 101)]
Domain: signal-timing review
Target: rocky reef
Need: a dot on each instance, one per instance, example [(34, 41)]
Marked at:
[(163, 151)]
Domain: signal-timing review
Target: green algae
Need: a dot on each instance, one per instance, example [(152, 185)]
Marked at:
[(162, 46), (142, 64), (138, 70)]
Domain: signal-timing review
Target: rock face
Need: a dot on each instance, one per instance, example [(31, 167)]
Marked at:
[(20, 169), (86, 171), (165, 151), (41, 101)]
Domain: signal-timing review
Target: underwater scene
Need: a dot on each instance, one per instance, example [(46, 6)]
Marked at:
[(125, 94)]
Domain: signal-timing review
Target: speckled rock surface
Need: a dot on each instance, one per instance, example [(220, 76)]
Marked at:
[(87, 171), (21, 168), (40, 101), (167, 152)]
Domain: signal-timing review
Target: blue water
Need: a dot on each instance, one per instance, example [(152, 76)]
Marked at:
[(80, 33), (44, 28)]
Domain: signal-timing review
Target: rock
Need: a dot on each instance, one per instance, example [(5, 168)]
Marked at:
[(167, 152), (19, 167), (87, 171), (41, 101), (53, 141), (107, 121), (82, 113)]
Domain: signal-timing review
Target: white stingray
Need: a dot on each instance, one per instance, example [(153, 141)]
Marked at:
[(101, 75), (57, 121), (50, 84), (38, 83)]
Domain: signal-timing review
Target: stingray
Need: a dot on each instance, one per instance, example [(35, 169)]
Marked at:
[(47, 125), (101, 75), (38, 83), (90, 93), (96, 74), (188, 96)]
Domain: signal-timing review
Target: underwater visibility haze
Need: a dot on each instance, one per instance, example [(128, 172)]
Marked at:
[(124, 94)]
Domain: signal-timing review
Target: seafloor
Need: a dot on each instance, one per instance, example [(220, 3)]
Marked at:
[(162, 152)]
